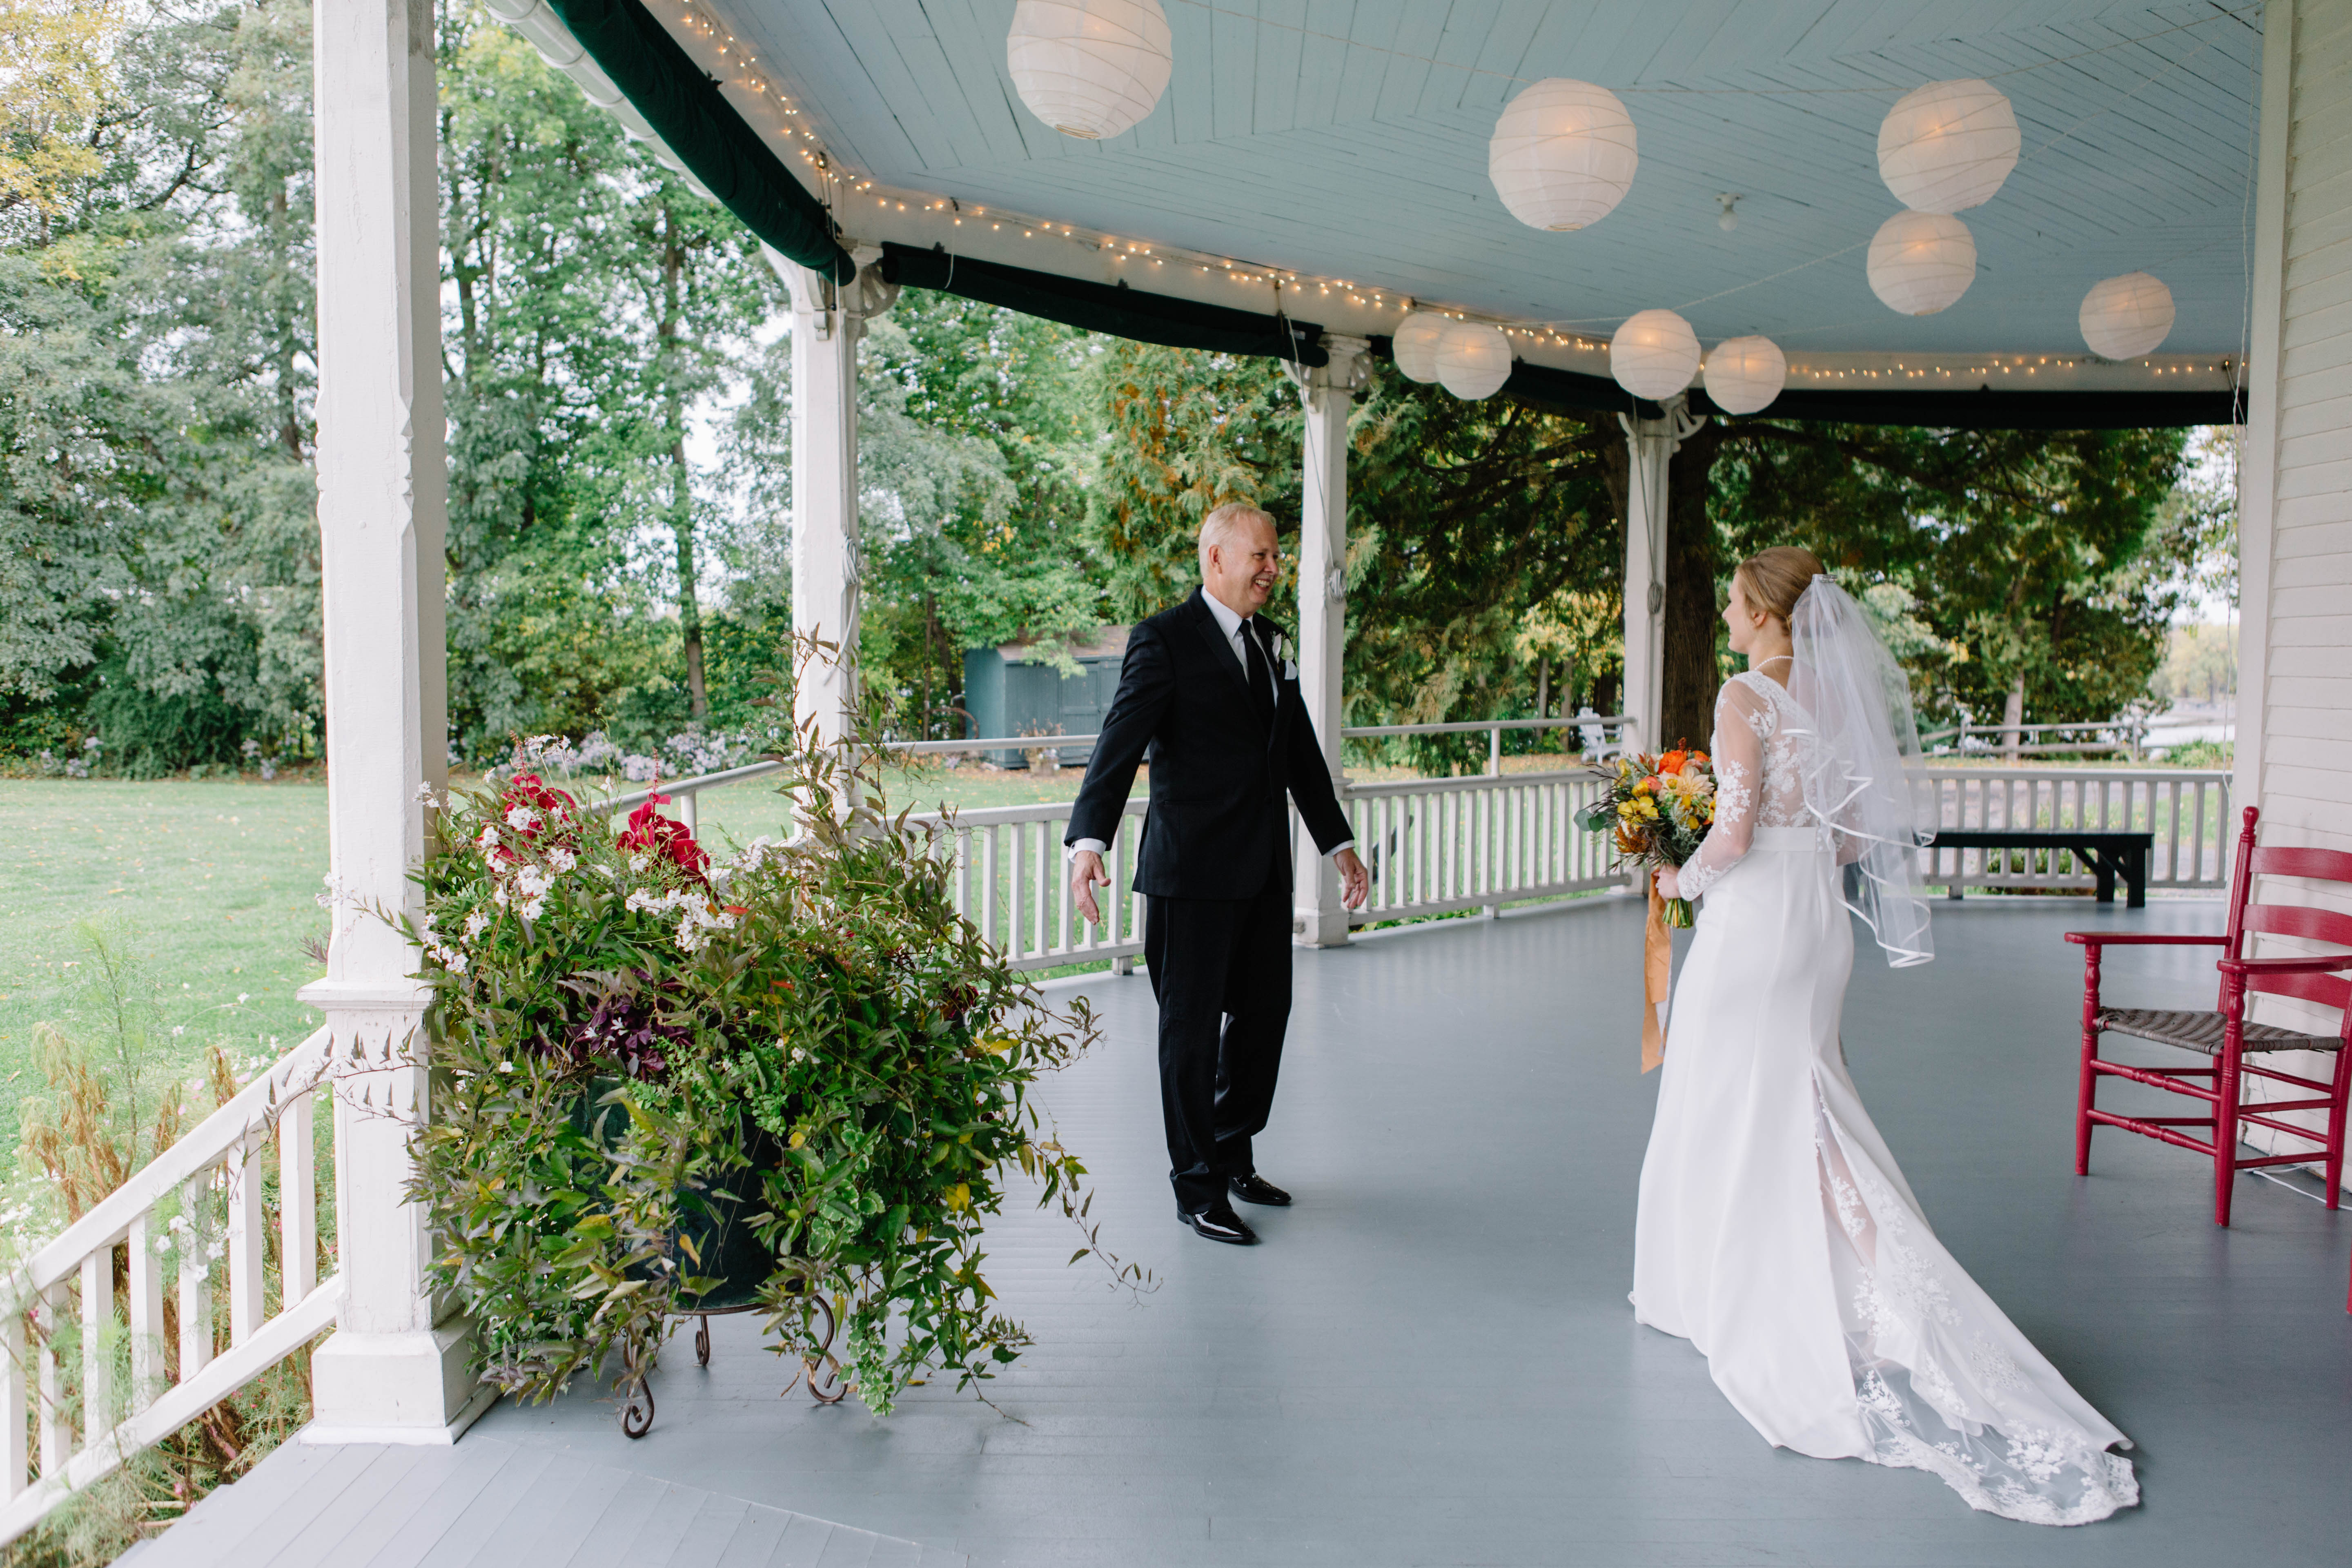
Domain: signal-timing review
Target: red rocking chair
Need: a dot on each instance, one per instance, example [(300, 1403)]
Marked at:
[(2225, 1035)]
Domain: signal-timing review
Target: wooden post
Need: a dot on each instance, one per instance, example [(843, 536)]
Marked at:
[(1326, 393), (1650, 444), (826, 560), (392, 1373)]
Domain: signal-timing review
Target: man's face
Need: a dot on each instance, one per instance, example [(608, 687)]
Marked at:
[(1242, 569)]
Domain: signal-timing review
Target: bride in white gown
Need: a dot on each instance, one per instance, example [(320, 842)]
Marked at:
[(1775, 1232)]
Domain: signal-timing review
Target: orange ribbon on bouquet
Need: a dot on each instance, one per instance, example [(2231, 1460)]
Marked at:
[(1657, 973)]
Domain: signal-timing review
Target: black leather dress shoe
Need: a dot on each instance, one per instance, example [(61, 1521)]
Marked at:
[(1220, 1223), (1255, 1189)]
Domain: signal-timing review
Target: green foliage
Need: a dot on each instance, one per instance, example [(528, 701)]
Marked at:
[(2027, 554), (596, 302), (813, 1013), (1189, 432), (154, 502), (2201, 664), (1473, 524), (975, 429)]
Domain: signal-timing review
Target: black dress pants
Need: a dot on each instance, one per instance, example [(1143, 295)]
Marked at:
[(1221, 968)]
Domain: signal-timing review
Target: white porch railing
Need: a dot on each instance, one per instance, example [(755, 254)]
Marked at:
[(1435, 846), (2187, 811), (1008, 878), (198, 1208)]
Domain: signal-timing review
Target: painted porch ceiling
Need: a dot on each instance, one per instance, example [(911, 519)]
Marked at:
[(1347, 139)]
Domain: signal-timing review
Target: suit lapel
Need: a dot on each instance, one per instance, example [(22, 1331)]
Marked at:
[(1274, 635), (1221, 652)]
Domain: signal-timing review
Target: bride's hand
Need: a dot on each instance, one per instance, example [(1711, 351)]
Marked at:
[(1669, 883)]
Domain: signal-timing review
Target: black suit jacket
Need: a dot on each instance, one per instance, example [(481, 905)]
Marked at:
[(1218, 827)]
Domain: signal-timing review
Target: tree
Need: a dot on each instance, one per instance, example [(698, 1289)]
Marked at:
[(1464, 517), (977, 430), (2027, 554), (1467, 522), (155, 500), (597, 304)]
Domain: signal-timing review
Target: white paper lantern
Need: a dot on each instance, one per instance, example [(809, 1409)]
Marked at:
[(1947, 146), (2125, 317), (1921, 262), (1413, 346), (1562, 153), (1654, 355), (1744, 375), (1474, 360), (1089, 67)]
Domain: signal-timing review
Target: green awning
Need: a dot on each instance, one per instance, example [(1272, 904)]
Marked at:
[(1111, 307), (686, 109)]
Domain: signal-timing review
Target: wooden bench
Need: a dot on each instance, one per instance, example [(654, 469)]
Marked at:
[(2107, 853)]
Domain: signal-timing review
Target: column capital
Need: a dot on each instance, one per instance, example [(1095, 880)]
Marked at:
[(1349, 369)]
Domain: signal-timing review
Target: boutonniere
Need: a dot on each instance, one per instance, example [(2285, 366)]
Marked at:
[(1287, 655)]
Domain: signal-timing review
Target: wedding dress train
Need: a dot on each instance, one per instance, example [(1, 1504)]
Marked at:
[(1776, 1232)]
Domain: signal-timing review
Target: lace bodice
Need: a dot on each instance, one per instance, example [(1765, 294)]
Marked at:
[(1760, 736)]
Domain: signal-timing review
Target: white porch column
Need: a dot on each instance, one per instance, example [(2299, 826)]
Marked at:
[(826, 561), (1649, 443), (392, 1373), (1327, 393)]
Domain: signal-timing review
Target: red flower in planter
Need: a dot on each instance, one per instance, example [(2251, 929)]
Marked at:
[(553, 814), (647, 829)]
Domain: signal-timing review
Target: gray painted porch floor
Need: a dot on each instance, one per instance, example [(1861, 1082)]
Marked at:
[(1431, 1359)]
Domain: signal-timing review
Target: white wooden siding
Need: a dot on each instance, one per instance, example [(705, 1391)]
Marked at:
[(2296, 499)]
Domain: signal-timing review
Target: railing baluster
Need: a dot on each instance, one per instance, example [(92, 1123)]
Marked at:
[(247, 1242), (1075, 932), (51, 1420), (146, 1304), (195, 1281), (97, 1345), (298, 1204), (988, 883), (15, 1462)]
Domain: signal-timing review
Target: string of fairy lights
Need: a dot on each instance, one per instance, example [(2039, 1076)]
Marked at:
[(846, 192)]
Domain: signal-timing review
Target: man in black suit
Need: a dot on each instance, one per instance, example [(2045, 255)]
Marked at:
[(1207, 691)]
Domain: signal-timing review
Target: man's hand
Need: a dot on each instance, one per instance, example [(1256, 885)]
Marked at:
[(1355, 882), (1087, 874)]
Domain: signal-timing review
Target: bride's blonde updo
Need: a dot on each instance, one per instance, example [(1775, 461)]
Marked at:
[(1775, 579)]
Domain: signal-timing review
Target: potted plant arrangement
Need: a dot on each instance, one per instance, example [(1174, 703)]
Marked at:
[(794, 1078)]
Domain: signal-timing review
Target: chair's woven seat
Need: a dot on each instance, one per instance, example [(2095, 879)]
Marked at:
[(2202, 1031)]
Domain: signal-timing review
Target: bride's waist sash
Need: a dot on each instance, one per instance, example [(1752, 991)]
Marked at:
[(1805, 840)]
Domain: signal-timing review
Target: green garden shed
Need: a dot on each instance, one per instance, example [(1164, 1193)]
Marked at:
[(1016, 689)]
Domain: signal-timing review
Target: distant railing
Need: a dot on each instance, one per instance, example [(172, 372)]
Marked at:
[(684, 791), (2129, 736), (1604, 734), (2187, 809), (195, 1212)]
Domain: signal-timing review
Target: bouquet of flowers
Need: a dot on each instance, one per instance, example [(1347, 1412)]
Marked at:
[(1659, 808)]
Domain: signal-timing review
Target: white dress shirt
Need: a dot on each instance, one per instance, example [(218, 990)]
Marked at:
[(1230, 622)]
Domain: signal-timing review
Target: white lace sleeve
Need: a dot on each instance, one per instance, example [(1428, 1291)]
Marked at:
[(1743, 719)]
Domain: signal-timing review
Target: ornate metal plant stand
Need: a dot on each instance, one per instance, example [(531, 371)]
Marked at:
[(826, 1383)]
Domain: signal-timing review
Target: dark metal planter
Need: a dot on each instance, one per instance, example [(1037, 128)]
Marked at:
[(730, 1252)]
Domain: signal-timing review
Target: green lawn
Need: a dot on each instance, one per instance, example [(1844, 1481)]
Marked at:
[(212, 886), (209, 885)]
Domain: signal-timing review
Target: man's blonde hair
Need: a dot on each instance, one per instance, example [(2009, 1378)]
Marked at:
[(1220, 525)]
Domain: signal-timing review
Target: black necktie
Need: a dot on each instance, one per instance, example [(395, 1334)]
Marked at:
[(1261, 673)]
